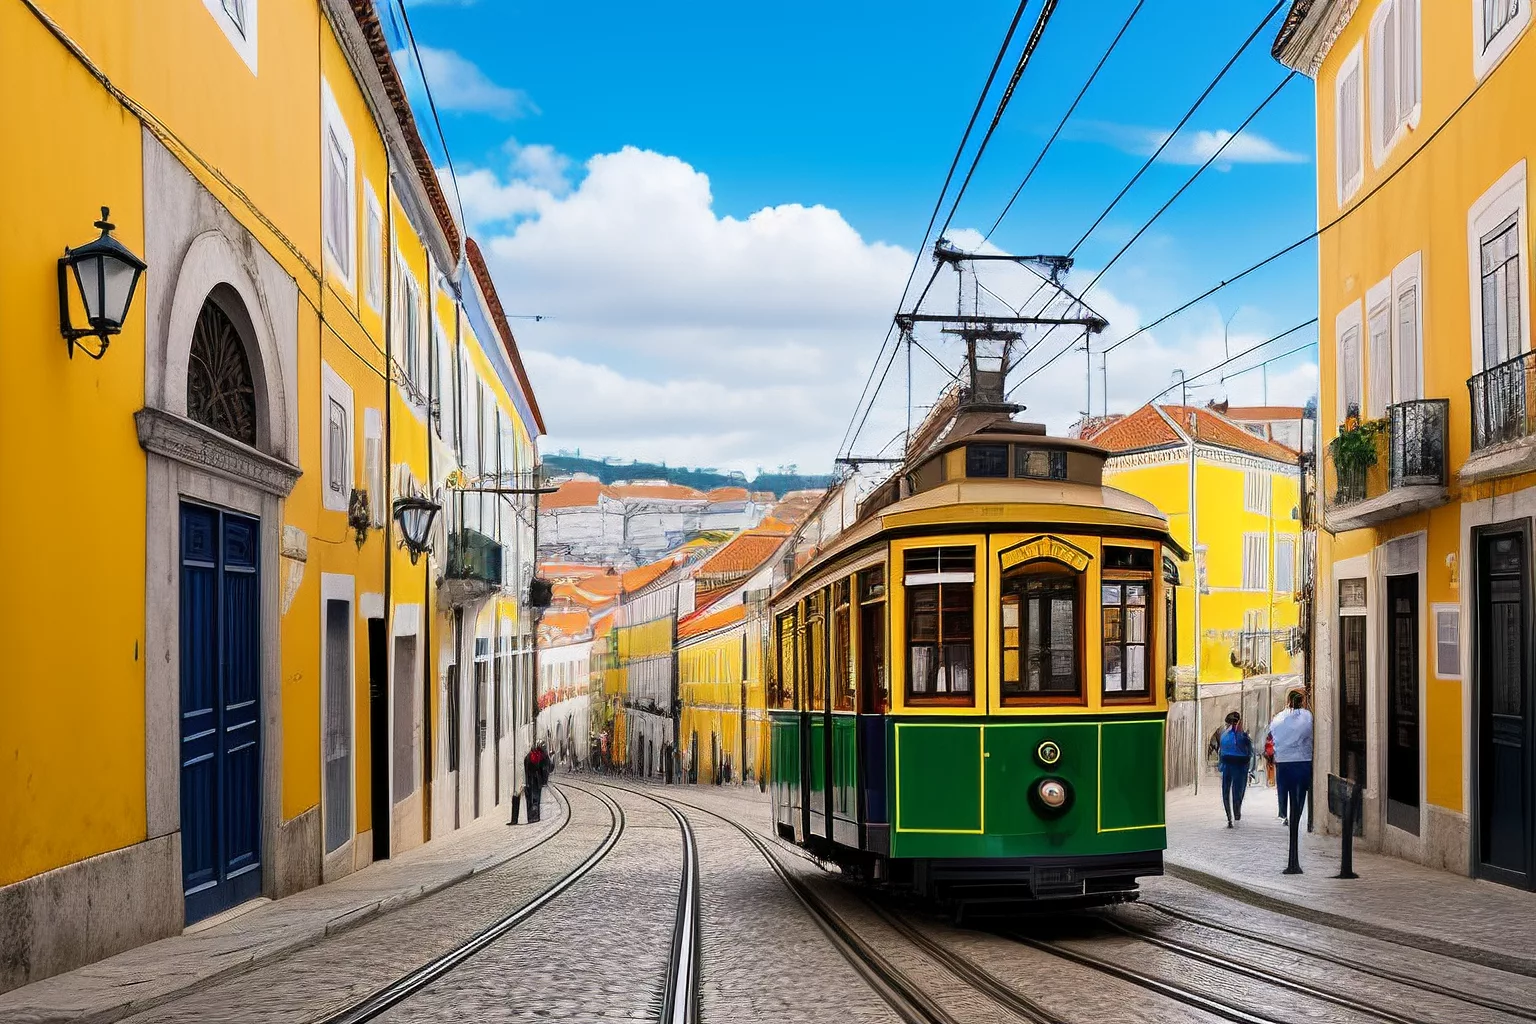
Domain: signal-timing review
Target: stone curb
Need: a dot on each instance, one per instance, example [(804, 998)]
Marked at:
[(1478, 955), (345, 921)]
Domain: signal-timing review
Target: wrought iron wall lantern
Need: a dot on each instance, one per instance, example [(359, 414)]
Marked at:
[(359, 514), (106, 275), (415, 516)]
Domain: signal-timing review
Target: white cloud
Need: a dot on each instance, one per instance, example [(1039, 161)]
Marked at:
[(675, 332), (1188, 147), (460, 86)]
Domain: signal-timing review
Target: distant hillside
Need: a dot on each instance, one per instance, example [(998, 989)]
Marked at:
[(780, 481)]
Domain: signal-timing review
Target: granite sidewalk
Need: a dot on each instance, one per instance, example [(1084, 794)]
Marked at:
[(1394, 900), (149, 975)]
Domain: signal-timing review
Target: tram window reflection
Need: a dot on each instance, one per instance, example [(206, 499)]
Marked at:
[(815, 675), (1127, 641), (784, 684), (875, 698), (1039, 618), (842, 648), (940, 591)]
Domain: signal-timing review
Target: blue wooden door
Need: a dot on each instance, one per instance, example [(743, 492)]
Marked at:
[(220, 710)]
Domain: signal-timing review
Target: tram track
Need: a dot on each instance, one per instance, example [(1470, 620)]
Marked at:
[(383, 999), (1370, 970)]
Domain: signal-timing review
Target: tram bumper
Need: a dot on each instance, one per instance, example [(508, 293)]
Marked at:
[(1106, 877)]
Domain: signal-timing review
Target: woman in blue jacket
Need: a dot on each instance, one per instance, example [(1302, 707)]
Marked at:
[(1236, 756)]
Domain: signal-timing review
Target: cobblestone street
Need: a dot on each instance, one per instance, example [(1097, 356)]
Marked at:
[(808, 946)]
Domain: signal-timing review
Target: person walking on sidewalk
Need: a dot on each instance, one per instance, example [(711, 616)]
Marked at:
[(535, 774), (1236, 755), (1291, 732)]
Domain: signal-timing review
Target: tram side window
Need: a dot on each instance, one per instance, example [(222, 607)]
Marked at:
[(842, 648), (1127, 640), (1040, 635), (876, 689), (787, 663), (940, 586), (815, 660)]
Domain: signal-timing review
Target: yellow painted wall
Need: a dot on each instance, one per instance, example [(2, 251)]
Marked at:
[(72, 598), (1422, 207)]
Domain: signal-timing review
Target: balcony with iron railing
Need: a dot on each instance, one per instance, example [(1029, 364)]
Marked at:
[(1382, 470), (473, 567), (1503, 420)]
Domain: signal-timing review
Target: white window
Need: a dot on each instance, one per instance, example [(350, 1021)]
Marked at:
[(1496, 24), (336, 453), (1349, 116), (446, 422), (1447, 641), (1378, 392), (1407, 350), (1347, 332), (373, 465), (373, 261), (1256, 491), (1285, 564), (407, 321), (238, 20), (339, 212), (1394, 73), (1496, 234), (1255, 561)]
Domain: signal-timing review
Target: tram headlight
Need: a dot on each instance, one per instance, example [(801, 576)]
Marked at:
[(1053, 794), (1051, 797)]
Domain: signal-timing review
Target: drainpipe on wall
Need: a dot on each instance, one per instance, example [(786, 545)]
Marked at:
[(1194, 547)]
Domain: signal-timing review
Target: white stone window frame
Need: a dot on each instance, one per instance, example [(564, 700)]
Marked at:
[(1352, 63), (373, 262), (332, 124), (1385, 137), (1487, 57), (1378, 375), (405, 282), (1287, 541), (1408, 273), (1435, 612), (343, 588), (241, 37), (334, 389), (373, 467), (1255, 563), (1350, 318), (1507, 197)]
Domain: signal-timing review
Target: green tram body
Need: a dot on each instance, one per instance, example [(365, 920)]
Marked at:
[(945, 798)]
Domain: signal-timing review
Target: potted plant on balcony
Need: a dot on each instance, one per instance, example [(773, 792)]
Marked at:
[(1354, 453)]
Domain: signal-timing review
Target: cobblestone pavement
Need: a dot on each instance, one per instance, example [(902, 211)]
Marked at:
[(337, 971)]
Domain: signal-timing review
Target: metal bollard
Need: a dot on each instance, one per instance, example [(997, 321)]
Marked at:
[(1293, 866), (1347, 855)]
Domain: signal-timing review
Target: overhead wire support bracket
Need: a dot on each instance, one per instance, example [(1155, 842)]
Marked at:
[(945, 252), (1095, 324)]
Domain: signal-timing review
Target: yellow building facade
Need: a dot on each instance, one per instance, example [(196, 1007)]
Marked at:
[(1233, 500), (1427, 453), (267, 690)]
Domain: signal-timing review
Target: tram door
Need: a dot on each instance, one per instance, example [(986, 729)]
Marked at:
[(1503, 707)]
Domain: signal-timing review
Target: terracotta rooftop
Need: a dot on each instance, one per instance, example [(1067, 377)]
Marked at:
[(577, 494), (673, 492), (566, 624), (773, 525), (728, 494), (744, 554), (602, 627), (1263, 412), (644, 575), (707, 620), (1150, 428)]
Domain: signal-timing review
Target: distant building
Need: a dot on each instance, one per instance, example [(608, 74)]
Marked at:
[(636, 522)]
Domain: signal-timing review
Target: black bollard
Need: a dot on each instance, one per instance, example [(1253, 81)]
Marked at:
[(1293, 866), (1347, 855)]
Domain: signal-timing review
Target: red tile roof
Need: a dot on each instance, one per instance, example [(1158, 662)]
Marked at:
[(706, 620), (602, 626), (566, 624), (643, 576), (744, 554), (570, 570), (1149, 428), (577, 494), (772, 525), (728, 494), (674, 492), (1265, 413)]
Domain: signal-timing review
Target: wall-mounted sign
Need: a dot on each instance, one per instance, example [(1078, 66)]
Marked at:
[(1352, 593), (1053, 548)]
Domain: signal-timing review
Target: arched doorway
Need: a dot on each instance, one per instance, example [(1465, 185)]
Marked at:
[(220, 641)]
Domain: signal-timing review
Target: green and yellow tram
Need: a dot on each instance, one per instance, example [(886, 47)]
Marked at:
[(968, 691)]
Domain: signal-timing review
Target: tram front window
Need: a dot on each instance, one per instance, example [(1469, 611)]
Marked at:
[(940, 590), (1040, 632)]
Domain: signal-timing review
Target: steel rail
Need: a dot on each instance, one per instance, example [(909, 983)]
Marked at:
[(680, 998), (1225, 1009), (383, 999), (968, 970), (1262, 974), (1385, 974)]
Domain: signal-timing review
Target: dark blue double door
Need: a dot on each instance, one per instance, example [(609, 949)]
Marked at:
[(220, 709)]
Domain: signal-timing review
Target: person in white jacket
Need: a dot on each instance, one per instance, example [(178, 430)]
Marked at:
[(1292, 732)]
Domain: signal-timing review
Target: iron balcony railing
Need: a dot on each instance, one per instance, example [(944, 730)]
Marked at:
[(1409, 452), (473, 556), (1501, 402)]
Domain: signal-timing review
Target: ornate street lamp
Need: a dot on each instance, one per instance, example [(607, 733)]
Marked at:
[(415, 515), (106, 274)]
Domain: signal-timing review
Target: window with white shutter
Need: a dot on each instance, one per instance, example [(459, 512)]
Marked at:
[(1285, 564), (373, 466), (1394, 73), (1378, 393), (1447, 641), (339, 191), (1496, 24), (1255, 561), (1407, 350), (1256, 491), (336, 470), (1349, 139), (373, 260), (1349, 363)]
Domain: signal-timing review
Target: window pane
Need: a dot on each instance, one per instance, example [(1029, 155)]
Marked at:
[(1112, 625), (986, 460), (1111, 594), (1010, 666), (922, 669), (1135, 625), (1112, 680), (1135, 668), (957, 665), (1136, 594)]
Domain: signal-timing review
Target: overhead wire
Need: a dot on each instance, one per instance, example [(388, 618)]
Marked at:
[(1065, 118), (1246, 352), (849, 434)]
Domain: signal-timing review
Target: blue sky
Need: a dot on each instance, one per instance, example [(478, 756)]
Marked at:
[(719, 278)]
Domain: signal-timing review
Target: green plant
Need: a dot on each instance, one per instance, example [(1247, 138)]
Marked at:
[(1355, 447)]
